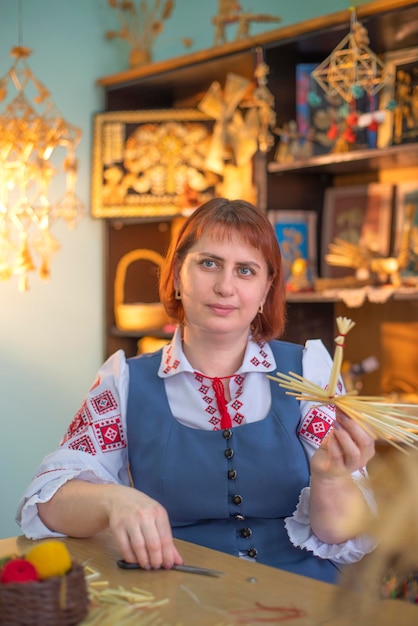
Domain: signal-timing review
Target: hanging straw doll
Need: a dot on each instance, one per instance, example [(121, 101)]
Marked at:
[(391, 570)]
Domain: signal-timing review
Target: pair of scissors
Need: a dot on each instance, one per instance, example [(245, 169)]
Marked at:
[(191, 569)]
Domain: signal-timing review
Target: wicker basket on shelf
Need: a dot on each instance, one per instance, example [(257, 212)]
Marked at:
[(139, 315), (56, 601)]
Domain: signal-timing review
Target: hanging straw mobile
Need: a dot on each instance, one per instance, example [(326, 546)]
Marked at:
[(383, 420)]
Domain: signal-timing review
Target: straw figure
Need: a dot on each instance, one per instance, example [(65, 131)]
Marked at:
[(391, 571), (139, 26), (395, 423)]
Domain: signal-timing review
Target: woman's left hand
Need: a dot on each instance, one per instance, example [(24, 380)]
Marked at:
[(337, 505), (347, 448)]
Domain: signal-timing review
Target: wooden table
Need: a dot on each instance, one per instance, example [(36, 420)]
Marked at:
[(247, 593)]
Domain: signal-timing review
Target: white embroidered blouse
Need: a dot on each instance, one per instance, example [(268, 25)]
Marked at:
[(94, 448)]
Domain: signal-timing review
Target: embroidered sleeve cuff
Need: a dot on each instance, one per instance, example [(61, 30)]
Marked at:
[(50, 478), (300, 534)]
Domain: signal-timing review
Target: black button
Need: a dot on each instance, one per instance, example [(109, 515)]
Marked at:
[(237, 499), (252, 552), (227, 433), (246, 532), (232, 474), (239, 517), (229, 453)]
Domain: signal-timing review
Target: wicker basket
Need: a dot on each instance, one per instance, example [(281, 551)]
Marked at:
[(56, 601), (140, 315)]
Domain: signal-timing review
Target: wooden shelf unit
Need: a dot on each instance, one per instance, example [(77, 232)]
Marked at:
[(181, 83)]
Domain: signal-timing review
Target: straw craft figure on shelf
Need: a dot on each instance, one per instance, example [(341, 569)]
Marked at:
[(391, 422), (139, 26), (244, 115), (367, 262)]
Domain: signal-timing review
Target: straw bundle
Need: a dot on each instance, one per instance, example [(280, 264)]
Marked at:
[(386, 421)]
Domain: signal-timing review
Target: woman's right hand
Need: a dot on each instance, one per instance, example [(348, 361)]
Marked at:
[(141, 528)]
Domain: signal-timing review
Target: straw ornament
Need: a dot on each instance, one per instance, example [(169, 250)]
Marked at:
[(383, 420)]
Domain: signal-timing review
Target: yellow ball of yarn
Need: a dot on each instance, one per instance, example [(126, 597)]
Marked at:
[(50, 558)]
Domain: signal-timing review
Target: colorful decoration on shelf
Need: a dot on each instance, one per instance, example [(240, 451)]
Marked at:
[(237, 135), (231, 12), (139, 26), (32, 131), (342, 99), (352, 69)]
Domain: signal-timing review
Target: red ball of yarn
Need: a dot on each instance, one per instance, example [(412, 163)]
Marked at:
[(18, 571)]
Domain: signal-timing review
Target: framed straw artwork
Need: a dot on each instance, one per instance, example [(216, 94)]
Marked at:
[(399, 99), (296, 234), (406, 229), (360, 214), (150, 163)]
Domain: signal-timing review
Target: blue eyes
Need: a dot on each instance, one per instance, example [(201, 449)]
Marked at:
[(242, 270), (208, 263)]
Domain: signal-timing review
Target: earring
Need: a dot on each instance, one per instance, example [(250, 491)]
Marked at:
[(177, 294), (261, 308)]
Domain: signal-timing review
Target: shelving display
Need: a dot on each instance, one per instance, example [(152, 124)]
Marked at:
[(292, 186)]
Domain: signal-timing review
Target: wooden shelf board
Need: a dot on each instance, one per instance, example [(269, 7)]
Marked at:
[(318, 296), (158, 333), (405, 155), (284, 33)]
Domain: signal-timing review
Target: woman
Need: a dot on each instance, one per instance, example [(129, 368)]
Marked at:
[(218, 454)]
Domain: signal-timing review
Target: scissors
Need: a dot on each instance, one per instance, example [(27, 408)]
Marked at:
[(191, 569)]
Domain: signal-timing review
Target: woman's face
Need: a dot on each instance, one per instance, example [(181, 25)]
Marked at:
[(222, 283)]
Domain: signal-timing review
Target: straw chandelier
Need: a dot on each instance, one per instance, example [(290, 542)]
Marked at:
[(31, 133)]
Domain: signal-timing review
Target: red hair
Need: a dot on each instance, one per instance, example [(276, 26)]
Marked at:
[(225, 218)]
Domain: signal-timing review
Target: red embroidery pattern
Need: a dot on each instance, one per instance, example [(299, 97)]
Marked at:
[(315, 426), (83, 444), (168, 365), (80, 423), (109, 434), (238, 418), (211, 409), (104, 402)]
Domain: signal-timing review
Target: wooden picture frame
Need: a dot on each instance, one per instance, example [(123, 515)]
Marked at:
[(405, 246), (150, 163), (400, 124), (361, 214), (296, 233)]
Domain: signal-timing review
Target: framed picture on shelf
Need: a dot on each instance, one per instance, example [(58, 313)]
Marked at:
[(406, 228), (322, 119), (399, 99), (361, 215), (297, 236), (150, 163)]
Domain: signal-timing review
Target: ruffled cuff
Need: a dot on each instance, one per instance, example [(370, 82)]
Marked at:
[(27, 516), (300, 534)]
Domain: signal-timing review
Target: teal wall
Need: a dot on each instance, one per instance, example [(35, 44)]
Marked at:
[(51, 338)]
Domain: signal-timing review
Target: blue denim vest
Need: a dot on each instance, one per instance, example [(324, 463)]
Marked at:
[(231, 489)]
